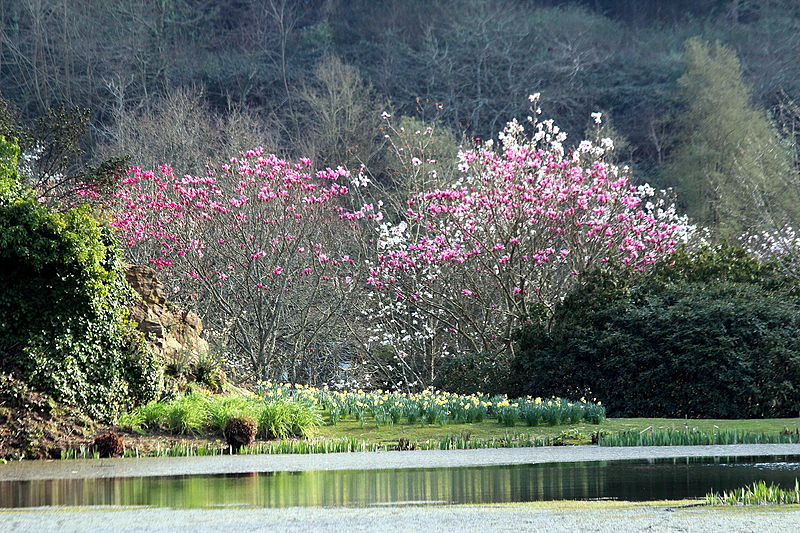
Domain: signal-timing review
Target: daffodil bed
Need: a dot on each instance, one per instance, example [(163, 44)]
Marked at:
[(432, 407), (289, 411)]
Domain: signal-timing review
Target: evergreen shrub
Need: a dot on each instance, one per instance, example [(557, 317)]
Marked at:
[(714, 335), (63, 315), (473, 373)]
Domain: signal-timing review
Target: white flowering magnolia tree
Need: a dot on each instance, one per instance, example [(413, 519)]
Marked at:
[(780, 246), (473, 260)]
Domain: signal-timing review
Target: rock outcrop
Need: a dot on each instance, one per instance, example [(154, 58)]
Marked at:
[(169, 330)]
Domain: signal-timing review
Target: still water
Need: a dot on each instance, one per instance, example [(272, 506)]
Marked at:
[(624, 480)]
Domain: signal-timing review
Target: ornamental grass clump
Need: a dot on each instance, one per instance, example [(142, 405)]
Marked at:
[(186, 414), (281, 419), (222, 409), (197, 413)]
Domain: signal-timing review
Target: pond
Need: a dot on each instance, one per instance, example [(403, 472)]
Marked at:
[(633, 480)]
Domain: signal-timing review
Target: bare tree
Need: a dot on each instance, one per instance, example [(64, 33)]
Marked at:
[(181, 130), (342, 123)]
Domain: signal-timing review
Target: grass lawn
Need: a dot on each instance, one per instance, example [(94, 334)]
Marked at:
[(577, 434)]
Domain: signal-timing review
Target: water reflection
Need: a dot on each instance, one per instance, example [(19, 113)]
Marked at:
[(628, 480)]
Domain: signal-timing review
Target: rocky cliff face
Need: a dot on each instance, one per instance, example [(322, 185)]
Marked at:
[(169, 330)]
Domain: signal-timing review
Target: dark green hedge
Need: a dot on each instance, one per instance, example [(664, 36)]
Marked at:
[(472, 373), (63, 314), (715, 335)]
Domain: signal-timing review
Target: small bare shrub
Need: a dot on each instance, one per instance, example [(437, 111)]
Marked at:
[(109, 444), (240, 432)]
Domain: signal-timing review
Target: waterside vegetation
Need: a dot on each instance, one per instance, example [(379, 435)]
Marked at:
[(756, 494), (303, 419)]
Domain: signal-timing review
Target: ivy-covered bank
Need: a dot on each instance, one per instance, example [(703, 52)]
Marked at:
[(65, 337)]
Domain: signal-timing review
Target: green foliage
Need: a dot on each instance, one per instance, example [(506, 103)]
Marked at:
[(319, 36), (63, 327), (9, 122), (186, 414), (724, 262), (207, 372), (181, 373), (472, 373), (284, 418), (10, 187), (197, 413), (729, 168), (677, 437), (224, 408), (720, 339), (757, 494)]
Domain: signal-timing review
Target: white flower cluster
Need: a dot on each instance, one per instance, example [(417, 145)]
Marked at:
[(664, 211), (27, 160), (390, 236), (783, 242), (27, 166)]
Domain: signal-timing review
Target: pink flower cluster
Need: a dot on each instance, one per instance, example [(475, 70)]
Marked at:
[(532, 198), (259, 214), (272, 244)]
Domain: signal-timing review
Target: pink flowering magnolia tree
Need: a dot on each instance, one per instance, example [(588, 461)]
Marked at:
[(263, 248), (473, 260)]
